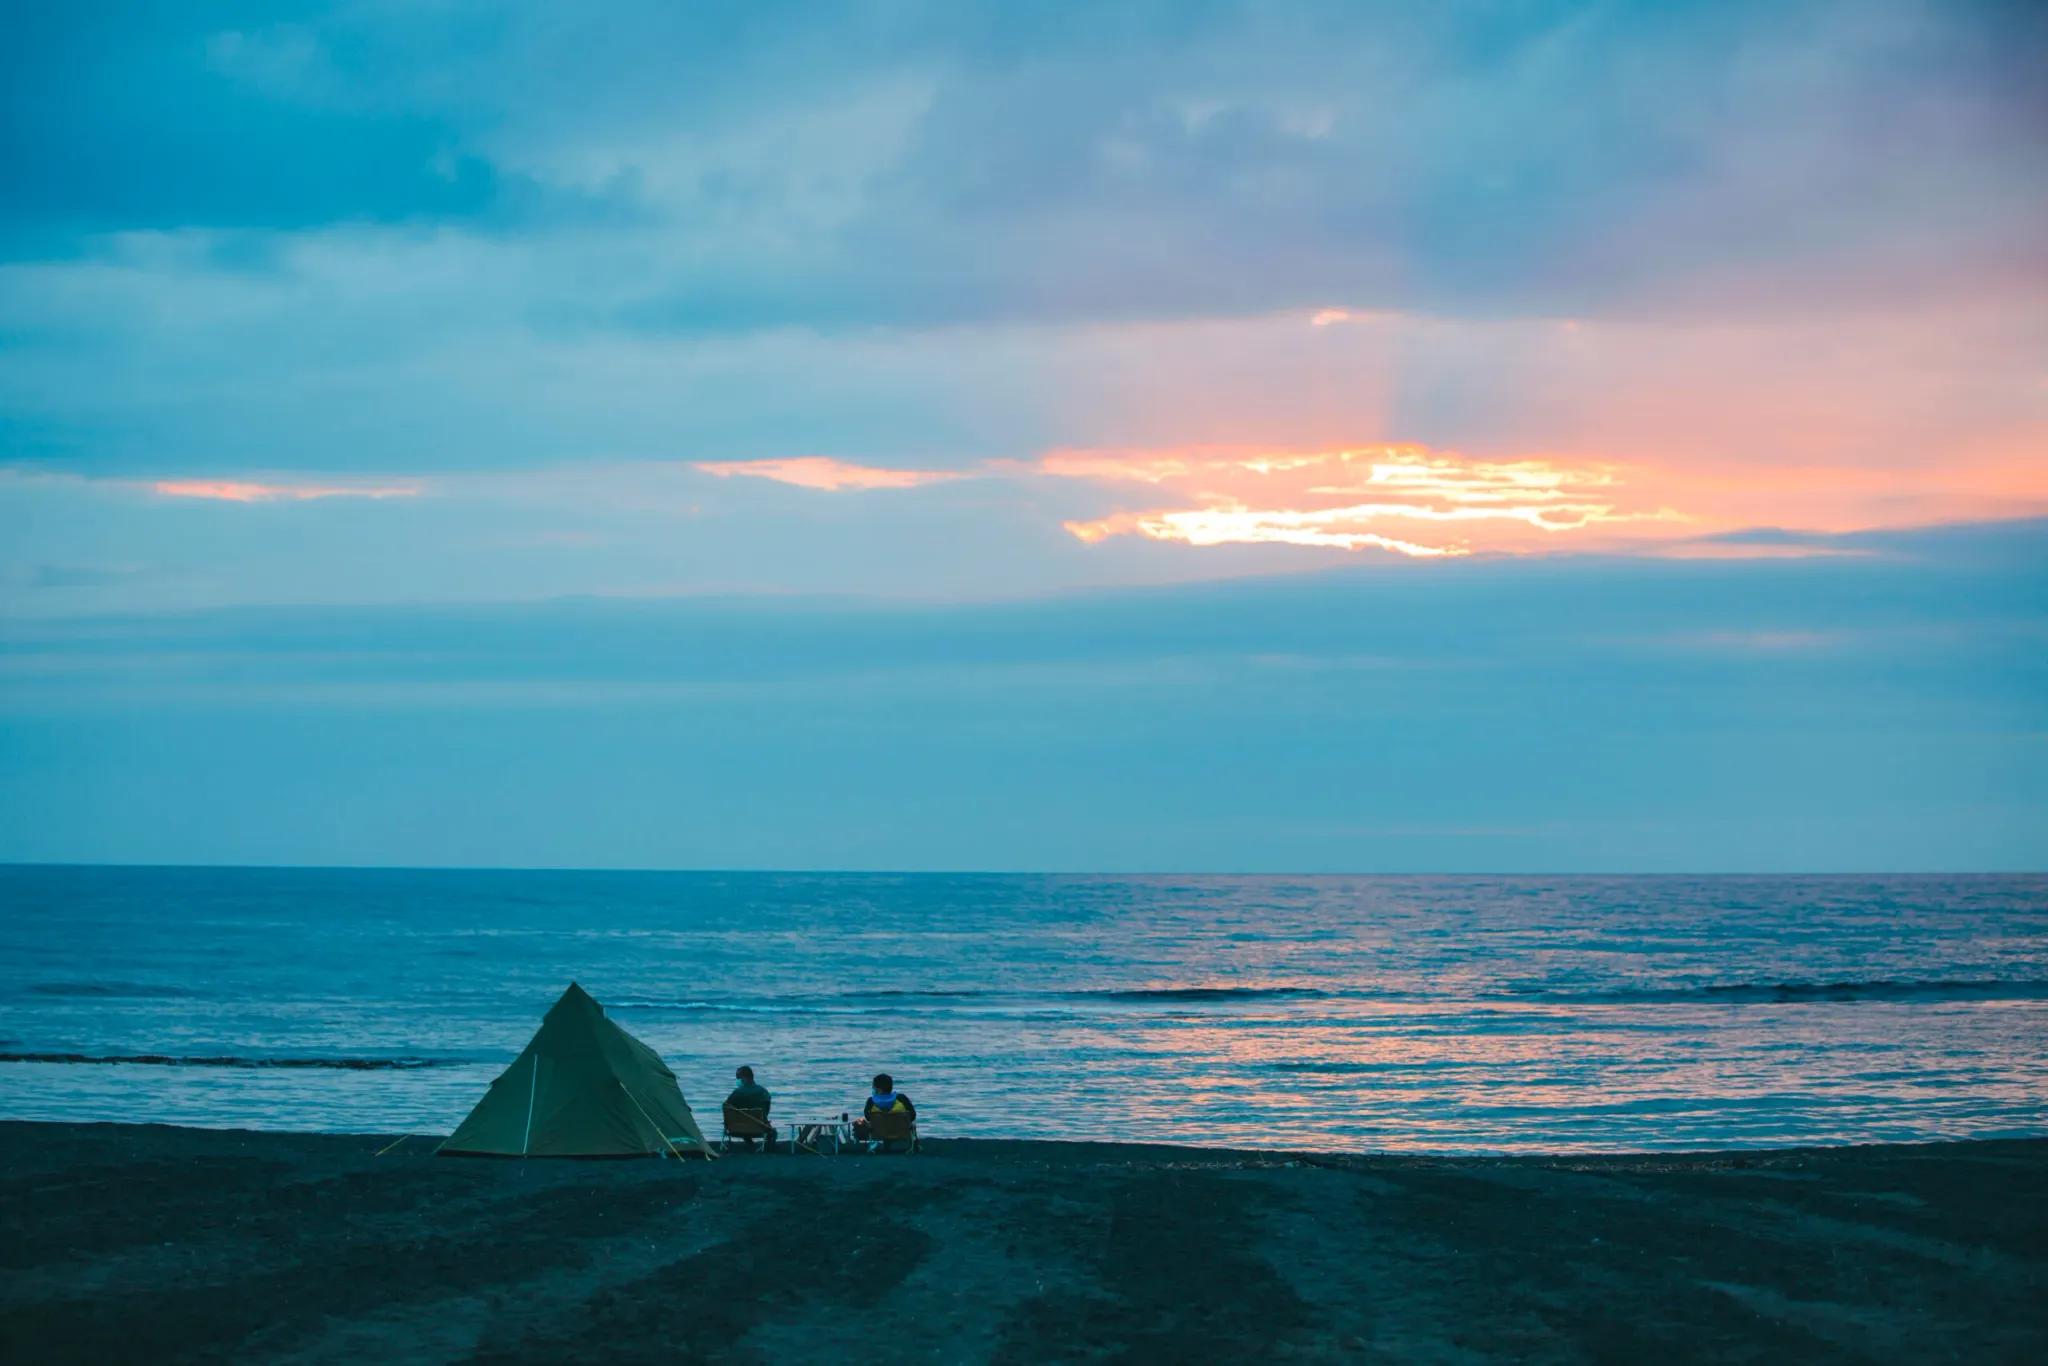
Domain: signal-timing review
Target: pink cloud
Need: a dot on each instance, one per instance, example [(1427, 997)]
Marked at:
[(1902, 413), (1406, 499), (245, 491), (1751, 550), (1413, 500), (824, 473)]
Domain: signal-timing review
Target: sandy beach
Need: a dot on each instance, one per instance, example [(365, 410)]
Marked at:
[(134, 1242)]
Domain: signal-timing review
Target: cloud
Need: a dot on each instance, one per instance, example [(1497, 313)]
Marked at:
[(245, 491), (1415, 501), (1669, 717), (1332, 529), (825, 473), (1418, 502), (114, 119), (930, 164), (935, 238), (1981, 580), (1711, 548)]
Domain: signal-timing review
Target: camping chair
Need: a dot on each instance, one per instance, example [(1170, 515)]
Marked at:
[(892, 1131), (746, 1125)]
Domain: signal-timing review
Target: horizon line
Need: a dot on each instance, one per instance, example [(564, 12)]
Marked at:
[(637, 869)]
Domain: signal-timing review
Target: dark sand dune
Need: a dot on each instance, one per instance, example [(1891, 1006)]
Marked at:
[(144, 1243)]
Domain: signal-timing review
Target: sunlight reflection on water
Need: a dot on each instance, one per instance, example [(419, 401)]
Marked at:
[(1453, 1014)]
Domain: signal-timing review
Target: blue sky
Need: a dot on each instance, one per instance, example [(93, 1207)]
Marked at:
[(1177, 436)]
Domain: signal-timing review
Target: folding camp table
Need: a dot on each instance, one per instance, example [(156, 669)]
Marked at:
[(826, 1138)]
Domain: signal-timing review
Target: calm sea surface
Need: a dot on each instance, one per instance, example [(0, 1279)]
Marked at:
[(1448, 1014)]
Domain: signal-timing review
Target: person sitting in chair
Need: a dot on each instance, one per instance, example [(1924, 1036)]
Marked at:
[(886, 1100), (751, 1097)]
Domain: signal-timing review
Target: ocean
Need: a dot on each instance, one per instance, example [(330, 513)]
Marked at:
[(1445, 1014)]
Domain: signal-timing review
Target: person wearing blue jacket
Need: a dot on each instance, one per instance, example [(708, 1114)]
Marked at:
[(887, 1097)]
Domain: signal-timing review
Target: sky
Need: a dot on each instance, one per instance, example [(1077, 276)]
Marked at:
[(1178, 436)]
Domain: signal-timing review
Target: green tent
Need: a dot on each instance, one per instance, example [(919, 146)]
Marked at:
[(583, 1088)]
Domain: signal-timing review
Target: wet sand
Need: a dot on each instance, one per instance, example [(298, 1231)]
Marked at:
[(142, 1242)]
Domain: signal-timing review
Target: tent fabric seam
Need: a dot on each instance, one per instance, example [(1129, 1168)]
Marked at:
[(532, 1090)]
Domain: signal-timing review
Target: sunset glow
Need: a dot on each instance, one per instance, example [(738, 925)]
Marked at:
[(1305, 436), (823, 472), (1335, 528), (1382, 498), (245, 491), (1414, 501)]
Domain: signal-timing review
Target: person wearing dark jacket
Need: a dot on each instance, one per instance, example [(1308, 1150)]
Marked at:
[(752, 1097)]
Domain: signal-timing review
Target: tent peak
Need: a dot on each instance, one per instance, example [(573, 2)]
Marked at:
[(576, 1001)]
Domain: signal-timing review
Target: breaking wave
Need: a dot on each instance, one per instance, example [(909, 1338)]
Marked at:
[(1881, 989), (1203, 994), (896, 1001)]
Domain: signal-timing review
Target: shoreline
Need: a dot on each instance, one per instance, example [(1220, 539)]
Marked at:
[(125, 1240), (1081, 1148)]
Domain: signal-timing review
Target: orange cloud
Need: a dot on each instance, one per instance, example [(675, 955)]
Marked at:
[(1405, 499), (824, 472), (242, 491), (1960, 485), (1332, 529), (1412, 500)]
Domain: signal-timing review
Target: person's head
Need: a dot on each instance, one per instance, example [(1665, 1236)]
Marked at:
[(744, 1073), (884, 1083)]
